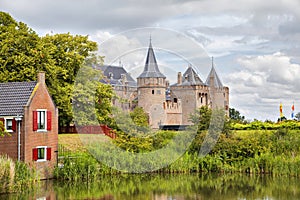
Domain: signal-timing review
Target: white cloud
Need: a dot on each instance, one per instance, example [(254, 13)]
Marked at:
[(262, 83), (242, 36)]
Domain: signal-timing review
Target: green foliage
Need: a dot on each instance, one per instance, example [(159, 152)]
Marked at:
[(297, 116), (267, 125), (78, 167), (15, 176), (23, 54), (139, 117), (2, 129), (92, 99), (236, 116), (201, 117)]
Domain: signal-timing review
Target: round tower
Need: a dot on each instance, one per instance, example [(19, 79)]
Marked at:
[(151, 85)]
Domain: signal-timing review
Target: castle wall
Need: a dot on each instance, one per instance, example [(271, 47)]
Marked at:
[(173, 113), (187, 96)]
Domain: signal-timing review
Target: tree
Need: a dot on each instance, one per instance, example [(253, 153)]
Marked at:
[(236, 116), (297, 116), (201, 117), (23, 54), (139, 117), (68, 54)]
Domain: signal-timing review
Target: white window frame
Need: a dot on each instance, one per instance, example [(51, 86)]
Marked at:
[(45, 128), (45, 153), (5, 124)]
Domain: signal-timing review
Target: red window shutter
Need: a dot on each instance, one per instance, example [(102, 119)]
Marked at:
[(14, 125), (49, 120), (48, 153), (34, 120), (35, 154)]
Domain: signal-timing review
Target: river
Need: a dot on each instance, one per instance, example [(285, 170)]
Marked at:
[(168, 187)]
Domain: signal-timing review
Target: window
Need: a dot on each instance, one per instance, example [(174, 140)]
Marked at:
[(152, 91), (10, 124), (158, 92), (42, 120), (41, 153)]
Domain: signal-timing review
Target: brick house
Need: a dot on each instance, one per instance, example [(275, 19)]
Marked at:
[(30, 116)]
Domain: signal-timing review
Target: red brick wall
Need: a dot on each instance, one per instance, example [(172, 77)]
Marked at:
[(32, 139), (8, 145)]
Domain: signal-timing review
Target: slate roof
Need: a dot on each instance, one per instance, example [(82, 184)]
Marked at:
[(151, 69), (14, 96), (190, 77), (115, 74), (217, 81)]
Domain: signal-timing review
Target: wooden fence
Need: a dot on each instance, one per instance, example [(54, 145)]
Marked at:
[(89, 129)]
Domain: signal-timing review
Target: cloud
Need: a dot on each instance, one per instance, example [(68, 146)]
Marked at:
[(243, 37), (263, 82)]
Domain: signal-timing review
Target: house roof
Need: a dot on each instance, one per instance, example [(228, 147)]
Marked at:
[(14, 96), (151, 69), (114, 73), (214, 75)]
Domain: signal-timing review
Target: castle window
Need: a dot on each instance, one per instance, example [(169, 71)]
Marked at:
[(175, 100), (152, 91), (158, 92)]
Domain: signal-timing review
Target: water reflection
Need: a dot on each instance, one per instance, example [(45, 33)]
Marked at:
[(169, 187)]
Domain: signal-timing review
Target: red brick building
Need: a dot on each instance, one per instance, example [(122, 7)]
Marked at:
[(30, 116)]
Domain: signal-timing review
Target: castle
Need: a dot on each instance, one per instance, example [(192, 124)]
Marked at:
[(166, 105)]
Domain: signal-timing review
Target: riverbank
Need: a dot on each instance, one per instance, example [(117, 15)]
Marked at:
[(272, 152), (275, 153)]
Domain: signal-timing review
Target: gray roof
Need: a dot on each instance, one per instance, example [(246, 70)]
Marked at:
[(190, 77), (217, 81), (14, 96), (151, 69), (115, 74)]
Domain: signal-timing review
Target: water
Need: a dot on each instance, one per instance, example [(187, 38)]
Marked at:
[(168, 187)]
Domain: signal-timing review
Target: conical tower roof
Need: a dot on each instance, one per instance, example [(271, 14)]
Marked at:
[(151, 69), (214, 75), (190, 77)]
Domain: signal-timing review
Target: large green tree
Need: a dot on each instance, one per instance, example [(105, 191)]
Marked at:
[(23, 54)]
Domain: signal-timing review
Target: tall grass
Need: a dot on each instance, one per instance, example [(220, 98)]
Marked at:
[(276, 153), (14, 176)]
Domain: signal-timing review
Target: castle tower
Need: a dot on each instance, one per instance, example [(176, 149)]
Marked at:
[(219, 95), (151, 85), (192, 92)]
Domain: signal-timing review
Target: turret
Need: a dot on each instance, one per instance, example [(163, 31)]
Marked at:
[(152, 90)]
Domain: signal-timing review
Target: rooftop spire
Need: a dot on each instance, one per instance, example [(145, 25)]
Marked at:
[(151, 68), (213, 74)]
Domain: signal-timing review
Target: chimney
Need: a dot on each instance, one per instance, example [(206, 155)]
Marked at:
[(179, 78), (41, 77), (167, 83)]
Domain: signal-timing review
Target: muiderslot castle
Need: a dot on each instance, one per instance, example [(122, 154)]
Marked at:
[(168, 105)]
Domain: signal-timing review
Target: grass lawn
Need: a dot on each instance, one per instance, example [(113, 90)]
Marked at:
[(75, 142), (71, 142)]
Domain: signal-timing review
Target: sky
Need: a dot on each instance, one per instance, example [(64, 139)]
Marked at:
[(255, 44)]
